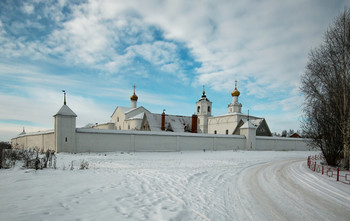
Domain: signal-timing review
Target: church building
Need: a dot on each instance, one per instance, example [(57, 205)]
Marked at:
[(231, 122), (141, 119)]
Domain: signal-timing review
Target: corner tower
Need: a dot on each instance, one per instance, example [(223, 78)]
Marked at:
[(235, 106), (203, 110), (65, 126)]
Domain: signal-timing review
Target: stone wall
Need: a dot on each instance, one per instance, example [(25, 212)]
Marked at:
[(42, 140), (281, 143), (89, 140), (97, 140)]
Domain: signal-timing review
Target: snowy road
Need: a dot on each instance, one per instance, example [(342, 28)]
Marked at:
[(288, 190), (175, 186)]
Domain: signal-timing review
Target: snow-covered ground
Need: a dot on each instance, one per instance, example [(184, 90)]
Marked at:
[(222, 185)]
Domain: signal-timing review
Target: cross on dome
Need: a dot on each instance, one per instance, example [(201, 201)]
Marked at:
[(134, 96), (235, 92), (204, 96)]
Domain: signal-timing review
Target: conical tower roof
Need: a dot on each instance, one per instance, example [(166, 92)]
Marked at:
[(65, 111)]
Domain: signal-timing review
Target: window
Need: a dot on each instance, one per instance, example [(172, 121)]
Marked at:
[(198, 109), (226, 131), (120, 127), (128, 126), (208, 108), (215, 132), (117, 119), (66, 139)]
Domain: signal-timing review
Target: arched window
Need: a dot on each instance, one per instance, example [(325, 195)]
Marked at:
[(208, 108), (215, 132), (198, 109), (226, 131)]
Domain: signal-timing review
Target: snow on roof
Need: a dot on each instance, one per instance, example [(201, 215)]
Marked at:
[(66, 111), (257, 122), (174, 122), (123, 109), (236, 113), (248, 125), (127, 110), (137, 117), (36, 133)]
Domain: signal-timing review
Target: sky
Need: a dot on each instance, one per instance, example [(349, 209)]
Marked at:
[(96, 50)]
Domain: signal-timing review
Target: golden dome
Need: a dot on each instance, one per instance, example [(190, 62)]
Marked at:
[(134, 96), (235, 92)]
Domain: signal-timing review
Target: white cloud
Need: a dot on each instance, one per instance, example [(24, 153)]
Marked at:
[(28, 8), (158, 52), (292, 103), (263, 40)]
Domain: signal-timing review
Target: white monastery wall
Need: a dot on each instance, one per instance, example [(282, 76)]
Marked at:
[(42, 140), (90, 140), (95, 140), (102, 142), (281, 143)]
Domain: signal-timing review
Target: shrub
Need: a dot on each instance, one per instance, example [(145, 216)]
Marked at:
[(84, 165), (31, 158), (3, 146)]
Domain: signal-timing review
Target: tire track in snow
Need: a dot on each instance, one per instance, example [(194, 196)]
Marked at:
[(283, 190), (324, 200)]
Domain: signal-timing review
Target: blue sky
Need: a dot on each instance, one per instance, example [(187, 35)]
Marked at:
[(96, 50)]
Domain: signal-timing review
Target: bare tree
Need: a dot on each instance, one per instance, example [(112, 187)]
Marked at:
[(326, 86)]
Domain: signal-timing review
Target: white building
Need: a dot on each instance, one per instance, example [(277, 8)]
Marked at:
[(139, 118), (228, 123)]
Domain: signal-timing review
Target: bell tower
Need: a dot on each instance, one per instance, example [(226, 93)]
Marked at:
[(235, 106), (203, 110)]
